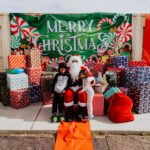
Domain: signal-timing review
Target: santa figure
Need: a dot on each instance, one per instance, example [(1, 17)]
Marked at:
[(76, 91)]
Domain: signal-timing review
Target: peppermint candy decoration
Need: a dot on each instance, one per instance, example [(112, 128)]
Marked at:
[(38, 47), (89, 63), (15, 41), (119, 15), (116, 44), (102, 21), (54, 63), (109, 37), (61, 59), (46, 60), (19, 27), (125, 32), (33, 34)]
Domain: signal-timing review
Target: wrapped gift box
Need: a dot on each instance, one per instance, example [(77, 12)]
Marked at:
[(19, 98), (119, 61), (34, 75), (35, 93), (17, 81), (5, 96), (47, 98), (98, 105), (133, 63), (140, 74), (34, 71), (33, 58), (3, 79), (35, 80), (140, 94), (16, 61), (46, 82)]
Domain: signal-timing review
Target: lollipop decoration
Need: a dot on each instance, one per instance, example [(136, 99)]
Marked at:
[(19, 27)]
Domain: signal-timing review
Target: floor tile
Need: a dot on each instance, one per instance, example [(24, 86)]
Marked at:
[(18, 119), (43, 120), (141, 123)]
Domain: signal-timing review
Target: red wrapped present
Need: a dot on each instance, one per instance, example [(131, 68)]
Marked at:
[(34, 75), (140, 63), (19, 98), (98, 105), (34, 80), (16, 61), (34, 71), (33, 58), (47, 98)]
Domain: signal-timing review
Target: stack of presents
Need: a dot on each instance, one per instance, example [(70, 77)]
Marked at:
[(21, 88), (133, 79), (34, 85)]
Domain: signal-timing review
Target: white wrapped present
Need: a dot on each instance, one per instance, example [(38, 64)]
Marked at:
[(17, 81)]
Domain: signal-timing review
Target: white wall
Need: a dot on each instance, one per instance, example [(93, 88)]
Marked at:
[(137, 29), (4, 23), (138, 22)]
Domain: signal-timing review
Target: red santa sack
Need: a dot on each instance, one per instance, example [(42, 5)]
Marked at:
[(120, 108)]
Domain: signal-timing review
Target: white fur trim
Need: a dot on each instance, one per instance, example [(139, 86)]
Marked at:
[(82, 104), (68, 104), (89, 79)]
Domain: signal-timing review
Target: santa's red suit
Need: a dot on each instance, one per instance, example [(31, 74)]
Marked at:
[(75, 66)]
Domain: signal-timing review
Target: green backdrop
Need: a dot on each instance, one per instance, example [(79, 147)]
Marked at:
[(101, 34)]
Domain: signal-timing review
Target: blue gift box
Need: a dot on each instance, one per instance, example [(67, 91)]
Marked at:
[(119, 61), (140, 74), (140, 94)]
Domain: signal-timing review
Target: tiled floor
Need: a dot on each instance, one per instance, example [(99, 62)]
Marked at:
[(36, 117)]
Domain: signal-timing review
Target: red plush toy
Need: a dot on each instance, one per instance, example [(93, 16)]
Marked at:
[(120, 108)]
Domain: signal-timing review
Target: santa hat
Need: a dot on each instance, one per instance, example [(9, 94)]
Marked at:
[(75, 57), (90, 78)]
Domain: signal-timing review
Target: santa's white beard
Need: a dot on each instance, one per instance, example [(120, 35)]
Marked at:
[(74, 71)]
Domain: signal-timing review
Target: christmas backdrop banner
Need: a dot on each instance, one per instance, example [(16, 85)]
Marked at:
[(59, 36)]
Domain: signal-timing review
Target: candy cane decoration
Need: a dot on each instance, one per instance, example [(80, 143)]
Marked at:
[(128, 44), (102, 21), (19, 27), (119, 15)]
